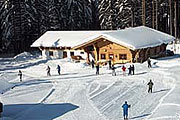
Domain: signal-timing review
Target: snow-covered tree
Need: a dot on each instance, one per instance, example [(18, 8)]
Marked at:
[(23, 21), (95, 15), (107, 12), (119, 14), (76, 14), (17, 17), (5, 24)]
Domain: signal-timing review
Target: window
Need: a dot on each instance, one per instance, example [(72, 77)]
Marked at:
[(50, 53), (103, 56), (72, 53), (81, 52), (122, 56)]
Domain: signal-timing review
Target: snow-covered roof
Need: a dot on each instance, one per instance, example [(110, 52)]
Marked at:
[(64, 38), (133, 38)]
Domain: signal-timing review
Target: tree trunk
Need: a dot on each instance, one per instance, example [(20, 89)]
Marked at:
[(156, 14), (143, 12), (170, 16), (153, 14), (175, 18), (132, 18)]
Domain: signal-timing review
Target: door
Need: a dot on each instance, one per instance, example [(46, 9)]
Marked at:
[(64, 54), (111, 56)]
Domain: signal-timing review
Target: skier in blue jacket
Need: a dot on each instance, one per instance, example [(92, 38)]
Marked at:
[(125, 110)]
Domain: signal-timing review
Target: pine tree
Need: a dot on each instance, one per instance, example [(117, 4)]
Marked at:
[(76, 14), (95, 15), (23, 21), (5, 25), (1, 24), (112, 15)]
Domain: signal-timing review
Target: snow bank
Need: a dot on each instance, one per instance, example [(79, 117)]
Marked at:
[(23, 56), (80, 64), (65, 60), (4, 85)]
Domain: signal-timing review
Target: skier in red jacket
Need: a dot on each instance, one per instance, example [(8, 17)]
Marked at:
[(124, 70)]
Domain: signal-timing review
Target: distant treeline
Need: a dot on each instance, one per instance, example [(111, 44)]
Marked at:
[(23, 21)]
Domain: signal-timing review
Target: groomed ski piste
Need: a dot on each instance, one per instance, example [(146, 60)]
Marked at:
[(79, 94)]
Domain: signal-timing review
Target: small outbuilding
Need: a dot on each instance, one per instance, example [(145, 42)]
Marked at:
[(127, 45)]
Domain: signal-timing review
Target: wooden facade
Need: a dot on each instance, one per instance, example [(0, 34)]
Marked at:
[(142, 55), (103, 50)]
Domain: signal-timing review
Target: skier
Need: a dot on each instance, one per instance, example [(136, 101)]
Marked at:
[(97, 69), (20, 75), (48, 71), (113, 71), (124, 70), (92, 63), (110, 67), (150, 84), (125, 110), (59, 69), (130, 68), (149, 63)]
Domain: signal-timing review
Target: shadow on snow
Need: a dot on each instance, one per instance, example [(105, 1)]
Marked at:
[(37, 111), (25, 83), (140, 73), (169, 57), (140, 116), (25, 65), (161, 90)]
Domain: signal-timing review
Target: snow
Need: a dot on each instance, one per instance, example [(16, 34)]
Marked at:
[(174, 47), (63, 38), (133, 38), (79, 94), (23, 56)]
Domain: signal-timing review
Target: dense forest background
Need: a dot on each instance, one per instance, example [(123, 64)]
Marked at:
[(23, 21)]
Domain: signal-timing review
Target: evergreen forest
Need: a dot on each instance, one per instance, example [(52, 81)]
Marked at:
[(24, 21)]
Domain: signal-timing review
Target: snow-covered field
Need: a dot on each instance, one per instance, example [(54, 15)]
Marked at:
[(79, 94)]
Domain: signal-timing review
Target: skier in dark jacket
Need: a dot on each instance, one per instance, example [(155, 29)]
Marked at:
[(113, 71), (125, 110), (150, 84), (92, 63), (97, 69), (20, 75), (59, 69), (130, 68), (110, 67), (48, 71), (149, 63)]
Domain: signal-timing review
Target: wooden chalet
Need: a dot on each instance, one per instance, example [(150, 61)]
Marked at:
[(128, 45)]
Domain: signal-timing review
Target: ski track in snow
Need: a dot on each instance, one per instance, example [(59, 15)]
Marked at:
[(162, 104), (97, 98)]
